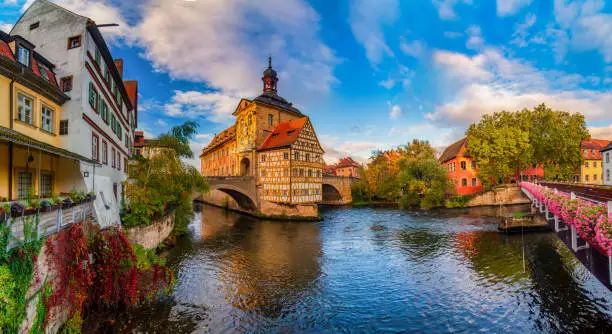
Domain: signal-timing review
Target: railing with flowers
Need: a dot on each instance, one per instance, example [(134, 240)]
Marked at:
[(590, 220)]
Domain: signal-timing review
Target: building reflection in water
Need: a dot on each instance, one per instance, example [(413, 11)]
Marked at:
[(268, 265)]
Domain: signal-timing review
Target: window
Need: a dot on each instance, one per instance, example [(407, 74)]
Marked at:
[(301, 172), (104, 153), (63, 130), (125, 165), (270, 119), (607, 157), (66, 84), (34, 25), (594, 164), (263, 173), (24, 108), (74, 42), (119, 130), (474, 182), (98, 57), (113, 123), (93, 97), (104, 112), (318, 173), (263, 158), (23, 56), (607, 175), (297, 155), (113, 157), (95, 149), (594, 177), (106, 74), (286, 156), (47, 118), (307, 156), (586, 178), (463, 165), (464, 182), (43, 71), (586, 164), (310, 173), (46, 185), (118, 160), (24, 184), (295, 172)]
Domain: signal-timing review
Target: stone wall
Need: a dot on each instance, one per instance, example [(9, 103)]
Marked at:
[(219, 198), (151, 236), (343, 186), (504, 195), (286, 210)]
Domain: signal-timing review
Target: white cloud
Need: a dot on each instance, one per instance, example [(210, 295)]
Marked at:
[(367, 18), (401, 75), (6, 27), (226, 43), (446, 8), (412, 48), (358, 150), (475, 40), (511, 7), (389, 83), (214, 106), (162, 123), (396, 112), (101, 12), (491, 82), (602, 132), (521, 30)]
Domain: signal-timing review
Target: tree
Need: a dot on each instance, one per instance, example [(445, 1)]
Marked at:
[(500, 147), (505, 143), (162, 182)]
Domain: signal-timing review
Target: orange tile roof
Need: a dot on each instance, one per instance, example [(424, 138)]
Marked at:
[(223, 137), (284, 134), (5, 50), (593, 146), (347, 162), (452, 150)]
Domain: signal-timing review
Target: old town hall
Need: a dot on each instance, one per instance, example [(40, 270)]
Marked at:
[(272, 141)]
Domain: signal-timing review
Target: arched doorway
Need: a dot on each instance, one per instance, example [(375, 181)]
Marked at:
[(245, 167)]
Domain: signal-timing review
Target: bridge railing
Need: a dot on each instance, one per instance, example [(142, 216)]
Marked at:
[(587, 220)]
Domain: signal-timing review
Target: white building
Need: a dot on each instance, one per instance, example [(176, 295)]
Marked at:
[(606, 165), (100, 118)]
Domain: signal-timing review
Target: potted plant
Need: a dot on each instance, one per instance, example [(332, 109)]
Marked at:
[(5, 211), (46, 205), (56, 202), (17, 210), (66, 203)]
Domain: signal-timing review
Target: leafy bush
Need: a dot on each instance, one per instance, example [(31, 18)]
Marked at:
[(458, 201)]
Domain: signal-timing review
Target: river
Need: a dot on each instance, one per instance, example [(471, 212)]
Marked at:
[(366, 270)]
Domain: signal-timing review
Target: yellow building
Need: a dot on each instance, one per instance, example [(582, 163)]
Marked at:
[(272, 141), (30, 112), (591, 171)]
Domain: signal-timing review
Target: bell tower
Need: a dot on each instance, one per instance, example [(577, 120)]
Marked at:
[(269, 78)]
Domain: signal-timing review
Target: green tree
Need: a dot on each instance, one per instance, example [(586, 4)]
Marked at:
[(500, 147), (161, 181)]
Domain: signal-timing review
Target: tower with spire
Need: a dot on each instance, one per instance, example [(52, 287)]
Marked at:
[(269, 78)]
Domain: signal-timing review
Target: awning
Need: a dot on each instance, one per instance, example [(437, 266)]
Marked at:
[(21, 139)]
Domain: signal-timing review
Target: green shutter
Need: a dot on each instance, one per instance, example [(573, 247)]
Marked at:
[(92, 96), (97, 57)]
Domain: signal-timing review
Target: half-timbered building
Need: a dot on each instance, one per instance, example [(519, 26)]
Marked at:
[(272, 141)]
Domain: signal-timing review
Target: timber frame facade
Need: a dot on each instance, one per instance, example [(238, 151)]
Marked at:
[(273, 142)]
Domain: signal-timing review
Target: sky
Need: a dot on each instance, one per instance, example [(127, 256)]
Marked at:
[(371, 74)]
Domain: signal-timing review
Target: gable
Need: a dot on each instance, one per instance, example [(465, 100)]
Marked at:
[(308, 137)]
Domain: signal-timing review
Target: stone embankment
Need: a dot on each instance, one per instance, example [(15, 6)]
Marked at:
[(502, 195)]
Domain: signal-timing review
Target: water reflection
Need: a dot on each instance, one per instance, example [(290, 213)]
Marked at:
[(369, 270)]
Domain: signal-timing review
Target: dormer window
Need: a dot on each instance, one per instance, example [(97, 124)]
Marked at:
[(74, 42), (23, 56), (43, 71)]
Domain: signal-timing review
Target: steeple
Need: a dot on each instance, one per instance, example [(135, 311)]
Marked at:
[(269, 78)]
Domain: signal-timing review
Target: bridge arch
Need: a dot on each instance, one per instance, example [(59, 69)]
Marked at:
[(330, 193), (241, 189), (244, 201)]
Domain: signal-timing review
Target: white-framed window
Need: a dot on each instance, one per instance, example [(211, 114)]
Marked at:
[(586, 164), (118, 160), (270, 119), (95, 149), (24, 108), (113, 157), (104, 153), (23, 56), (46, 118)]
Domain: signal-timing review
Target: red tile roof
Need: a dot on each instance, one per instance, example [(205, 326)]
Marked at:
[(452, 150), (593, 147), (5, 50), (222, 138), (347, 162), (284, 134)]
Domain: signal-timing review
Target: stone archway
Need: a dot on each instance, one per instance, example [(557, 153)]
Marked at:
[(245, 167), (331, 194)]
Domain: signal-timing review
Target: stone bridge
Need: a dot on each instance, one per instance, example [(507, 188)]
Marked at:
[(241, 193)]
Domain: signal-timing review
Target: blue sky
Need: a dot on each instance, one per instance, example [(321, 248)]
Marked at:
[(371, 74)]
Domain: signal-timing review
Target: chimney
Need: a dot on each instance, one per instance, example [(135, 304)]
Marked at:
[(119, 66)]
